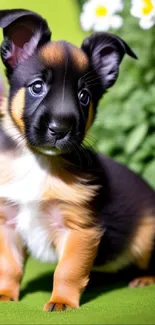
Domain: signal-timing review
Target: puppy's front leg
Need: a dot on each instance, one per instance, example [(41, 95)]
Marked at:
[(72, 273), (11, 264)]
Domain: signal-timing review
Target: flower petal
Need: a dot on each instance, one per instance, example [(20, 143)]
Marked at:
[(101, 26), (89, 19), (117, 5), (146, 23), (136, 11), (137, 7), (116, 22), (86, 22)]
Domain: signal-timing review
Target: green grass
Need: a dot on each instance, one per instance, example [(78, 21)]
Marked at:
[(101, 303)]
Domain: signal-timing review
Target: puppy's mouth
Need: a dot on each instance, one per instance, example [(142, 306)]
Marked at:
[(51, 141), (53, 150), (48, 151)]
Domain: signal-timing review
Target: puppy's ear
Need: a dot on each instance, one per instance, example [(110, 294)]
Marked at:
[(106, 52), (24, 31)]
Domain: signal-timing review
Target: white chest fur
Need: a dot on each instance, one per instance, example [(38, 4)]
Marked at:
[(27, 181), (30, 224), (25, 189)]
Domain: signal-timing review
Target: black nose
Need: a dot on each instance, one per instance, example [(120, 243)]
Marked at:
[(59, 131)]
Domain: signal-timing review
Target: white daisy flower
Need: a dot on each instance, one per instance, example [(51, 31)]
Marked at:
[(100, 15), (145, 11)]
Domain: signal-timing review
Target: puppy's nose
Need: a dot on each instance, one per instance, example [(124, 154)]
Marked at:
[(59, 131)]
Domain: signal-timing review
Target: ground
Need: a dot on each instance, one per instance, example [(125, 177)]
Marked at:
[(113, 303)]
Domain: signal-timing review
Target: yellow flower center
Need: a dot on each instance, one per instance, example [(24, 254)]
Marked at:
[(147, 7), (101, 11)]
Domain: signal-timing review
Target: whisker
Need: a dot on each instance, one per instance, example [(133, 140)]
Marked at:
[(95, 84), (82, 149), (19, 140), (88, 154), (67, 147), (85, 151), (14, 136), (86, 141), (8, 128), (93, 79), (89, 146), (90, 135), (87, 73), (76, 148)]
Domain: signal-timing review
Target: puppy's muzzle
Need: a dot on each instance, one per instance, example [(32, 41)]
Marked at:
[(60, 131)]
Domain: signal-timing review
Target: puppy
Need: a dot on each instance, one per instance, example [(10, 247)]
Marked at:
[(59, 200)]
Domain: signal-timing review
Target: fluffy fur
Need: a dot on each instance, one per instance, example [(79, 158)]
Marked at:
[(59, 200)]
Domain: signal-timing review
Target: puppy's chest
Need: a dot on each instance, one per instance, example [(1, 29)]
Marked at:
[(23, 193), (25, 180)]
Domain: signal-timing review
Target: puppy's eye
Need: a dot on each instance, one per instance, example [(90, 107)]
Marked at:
[(84, 97), (38, 88)]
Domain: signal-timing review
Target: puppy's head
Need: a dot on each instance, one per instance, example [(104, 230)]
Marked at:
[(55, 86)]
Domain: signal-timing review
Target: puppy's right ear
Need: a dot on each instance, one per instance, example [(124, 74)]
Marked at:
[(24, 31), (106, 52)]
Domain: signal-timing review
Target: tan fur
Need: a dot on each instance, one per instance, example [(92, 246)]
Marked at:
[(142, 281), (68, 187), (11, 129), (11, 250), (8, 211), (56, 306), (52, 53), (71, 191), (72, 194), (139, 249), (6, 158), (72, 273), (6, 170), (17, 108), (3, 107), (90, 117), (11, 259), (79, 58), (143, 241)]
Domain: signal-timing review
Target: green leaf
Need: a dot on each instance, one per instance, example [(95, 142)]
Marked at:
[(136, 137), (141, 154), (106, 146), (149, 173), (121, 159), (136, 167)]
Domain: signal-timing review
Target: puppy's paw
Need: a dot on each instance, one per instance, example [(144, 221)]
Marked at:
[(51, 306), (142, 281), (5, 298)]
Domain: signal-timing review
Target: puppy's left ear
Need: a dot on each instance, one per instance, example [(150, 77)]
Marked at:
[(24, 31), (106, 52)]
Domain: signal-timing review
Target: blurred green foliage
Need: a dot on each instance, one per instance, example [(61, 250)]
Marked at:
[(125, 125)]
